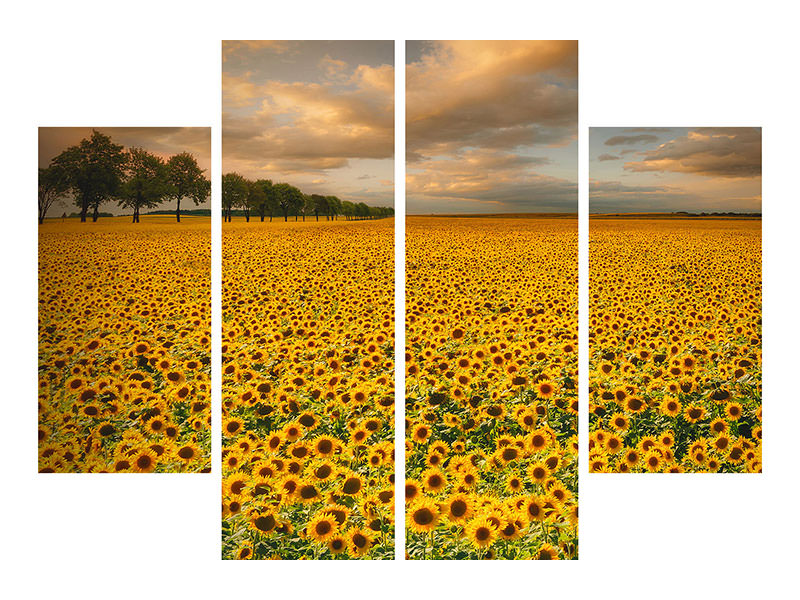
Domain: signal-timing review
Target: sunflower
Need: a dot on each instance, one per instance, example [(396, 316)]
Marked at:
[(423, 515), (420, 433), (670, 406), (413, 489), (360, 540), (337, 544), (694, 413), (144, 460), (434, 480), (538, 472), (534, 508), (264, 521), (733, 410), (545, 389), (188, 452), (481, 532), (546, 552), (457, 508), (322, 527)]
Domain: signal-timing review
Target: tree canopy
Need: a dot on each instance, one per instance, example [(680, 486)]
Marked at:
[(146, 183), (94, 171), (234, 193), (53, 184), (186, 180)]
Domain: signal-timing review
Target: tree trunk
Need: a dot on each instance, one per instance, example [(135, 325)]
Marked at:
[(247, 216), (178, 211), (95, 213), (285, 215)]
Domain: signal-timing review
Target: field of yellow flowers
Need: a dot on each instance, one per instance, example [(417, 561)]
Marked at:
[(675, 345), (491, 388), (308, 390), (124, 345)]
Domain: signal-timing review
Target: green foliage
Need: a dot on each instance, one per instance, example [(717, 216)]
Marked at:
[(146, 184), (94, 171)]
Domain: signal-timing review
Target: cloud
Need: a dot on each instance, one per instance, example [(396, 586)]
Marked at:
[(614, 196), (604, 157), (491, 94), (732, 152), (482, 117), (648, 129), (501, 182), (619, 140), (235, 47), (291, 127)]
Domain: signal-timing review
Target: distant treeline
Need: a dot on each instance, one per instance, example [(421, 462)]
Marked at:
[(97, 171), (195, 212), (678, 214), (261, 197), (716, 214)]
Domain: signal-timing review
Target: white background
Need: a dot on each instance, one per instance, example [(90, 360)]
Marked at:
[(641, 64)]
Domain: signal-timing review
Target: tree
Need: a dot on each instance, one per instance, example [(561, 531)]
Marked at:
[(234, 193), (362, 211), (348, 209), (256, 196), (268, 203), (308, 206), (290, 199), (53, 185), (318, 204), (146, 184), (94, 171), (334, 207), (186, 180)]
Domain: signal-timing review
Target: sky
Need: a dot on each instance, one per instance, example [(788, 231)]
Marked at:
[(671, 169), (316, 114), (491, 126), (161, 141)]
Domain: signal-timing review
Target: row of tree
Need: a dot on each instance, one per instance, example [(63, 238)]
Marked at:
[(266, 199), (97, 171)]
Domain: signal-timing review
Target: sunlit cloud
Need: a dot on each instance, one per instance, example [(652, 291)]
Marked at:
[(619, 140), (485, 120), (714, 152)]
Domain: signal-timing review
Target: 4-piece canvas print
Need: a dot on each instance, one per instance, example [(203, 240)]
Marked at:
[(308, 349)]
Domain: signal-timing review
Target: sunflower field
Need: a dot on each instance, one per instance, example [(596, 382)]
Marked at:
[(675, 345), (124, 345), (491, 388), (308, 390)]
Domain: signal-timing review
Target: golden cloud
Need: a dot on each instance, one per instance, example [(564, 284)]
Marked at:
[(306, 126), (729, 152)]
